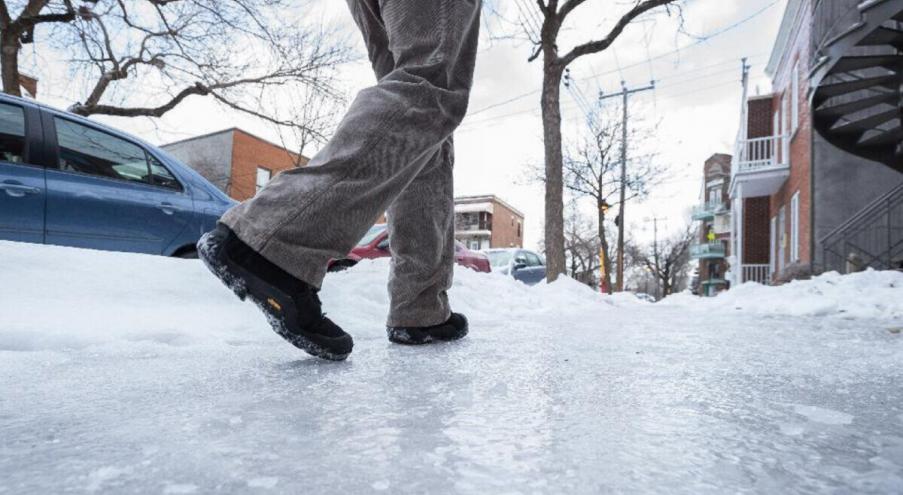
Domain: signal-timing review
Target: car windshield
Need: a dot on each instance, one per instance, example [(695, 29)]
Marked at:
[(499, 258), (372, 234)]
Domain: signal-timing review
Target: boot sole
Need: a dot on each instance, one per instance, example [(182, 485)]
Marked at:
[(208, 250), (403, 337)]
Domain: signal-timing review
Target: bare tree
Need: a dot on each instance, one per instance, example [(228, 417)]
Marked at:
[(581, 247), (667, 260), (592, 170), (143, 58), (20, 30), (550, 19)]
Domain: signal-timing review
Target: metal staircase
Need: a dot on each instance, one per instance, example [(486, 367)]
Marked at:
[(857, 77), (873, 238)]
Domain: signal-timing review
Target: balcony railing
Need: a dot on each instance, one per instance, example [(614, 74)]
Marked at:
[(761, 153), (707, 250), (708, 210), (757, 273)]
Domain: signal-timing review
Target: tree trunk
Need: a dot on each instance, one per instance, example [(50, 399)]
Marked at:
[(603, 242), (551, 124), (9, 63)]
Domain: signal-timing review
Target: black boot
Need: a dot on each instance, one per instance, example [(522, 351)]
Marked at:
[(453, 329), (291, 306)]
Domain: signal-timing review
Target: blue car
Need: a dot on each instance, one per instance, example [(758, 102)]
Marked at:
[(69, 181), (522, 264)]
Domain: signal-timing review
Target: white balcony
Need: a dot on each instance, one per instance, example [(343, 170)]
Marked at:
[(757, 273), (760, 166), (708, 210)]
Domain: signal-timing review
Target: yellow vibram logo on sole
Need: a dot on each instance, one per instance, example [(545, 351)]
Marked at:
[(272, 302)]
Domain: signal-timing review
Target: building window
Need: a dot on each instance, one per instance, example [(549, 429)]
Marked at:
[(785, 115), (263, 176), (795, 97), (795, 227), (782, 238), (773, 254), (518, 229)]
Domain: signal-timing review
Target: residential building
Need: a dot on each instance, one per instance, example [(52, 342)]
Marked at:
[(28, 85), (816, 179), (483, 222), (236, 161), (714, 238)]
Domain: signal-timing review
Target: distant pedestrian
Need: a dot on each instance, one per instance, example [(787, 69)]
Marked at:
[(710, 235), (391, 153)]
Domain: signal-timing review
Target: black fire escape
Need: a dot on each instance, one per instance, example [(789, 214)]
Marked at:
[(857, 103)]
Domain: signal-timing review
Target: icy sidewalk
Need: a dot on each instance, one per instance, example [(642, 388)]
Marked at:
[(123, 373)]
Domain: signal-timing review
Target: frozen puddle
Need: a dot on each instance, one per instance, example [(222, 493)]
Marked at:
[(823, 416)]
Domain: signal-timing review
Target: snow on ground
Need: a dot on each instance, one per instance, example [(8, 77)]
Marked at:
[(128, 373)]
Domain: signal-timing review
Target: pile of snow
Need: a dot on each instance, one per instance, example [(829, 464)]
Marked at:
[(869, 294), (61, 298)]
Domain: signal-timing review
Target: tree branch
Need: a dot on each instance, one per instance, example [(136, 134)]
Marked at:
[(600, 45)]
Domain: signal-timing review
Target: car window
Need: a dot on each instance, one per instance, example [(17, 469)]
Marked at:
[(12, 133), (161, 176), (371, 234), (532, 259), (89, 151), (499, 258)]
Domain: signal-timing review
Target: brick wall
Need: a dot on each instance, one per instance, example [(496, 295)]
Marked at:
[(507, 227), (756, 230), (796, 55), (250, 152), (759, 117)]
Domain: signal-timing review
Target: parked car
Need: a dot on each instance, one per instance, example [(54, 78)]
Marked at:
[(70, 181), (375, 244), (642, 296), (522, 264)]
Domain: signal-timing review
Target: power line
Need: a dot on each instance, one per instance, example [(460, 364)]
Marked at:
[(699, 41), (660, 89)]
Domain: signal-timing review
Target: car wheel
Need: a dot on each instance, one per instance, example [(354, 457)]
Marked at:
[(191, 254)]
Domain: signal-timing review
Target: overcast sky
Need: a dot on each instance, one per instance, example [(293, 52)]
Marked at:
[(697, 101)]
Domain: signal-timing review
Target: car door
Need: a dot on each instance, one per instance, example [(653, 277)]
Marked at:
[(22, 182), (535, 270), (522, 273), (107, 192)]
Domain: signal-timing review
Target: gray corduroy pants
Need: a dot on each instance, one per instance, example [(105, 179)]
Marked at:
[(392, 152)]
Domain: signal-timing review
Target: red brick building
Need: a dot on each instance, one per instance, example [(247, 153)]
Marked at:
[(770, 187), (791, 188), (483, 222), (236, 161), (713, 214)]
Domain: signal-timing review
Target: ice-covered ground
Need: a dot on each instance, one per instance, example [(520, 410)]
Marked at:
[(126, 374)]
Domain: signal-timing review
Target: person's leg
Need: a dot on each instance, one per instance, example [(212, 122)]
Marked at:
[(306, 216), (421, 238), (421, 219)]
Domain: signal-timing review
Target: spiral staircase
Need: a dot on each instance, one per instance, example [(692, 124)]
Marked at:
[(857, 105), (857, 78)]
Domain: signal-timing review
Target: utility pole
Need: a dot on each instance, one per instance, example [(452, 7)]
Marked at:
[(625, 93), (655, 257)]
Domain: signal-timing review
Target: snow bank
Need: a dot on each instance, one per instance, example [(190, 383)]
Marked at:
[(869, 294), (62, 298)]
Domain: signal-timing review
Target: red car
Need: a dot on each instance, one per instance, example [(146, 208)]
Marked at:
[(375, 244)]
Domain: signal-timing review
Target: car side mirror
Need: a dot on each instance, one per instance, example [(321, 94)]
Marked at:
[(519, 265)]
